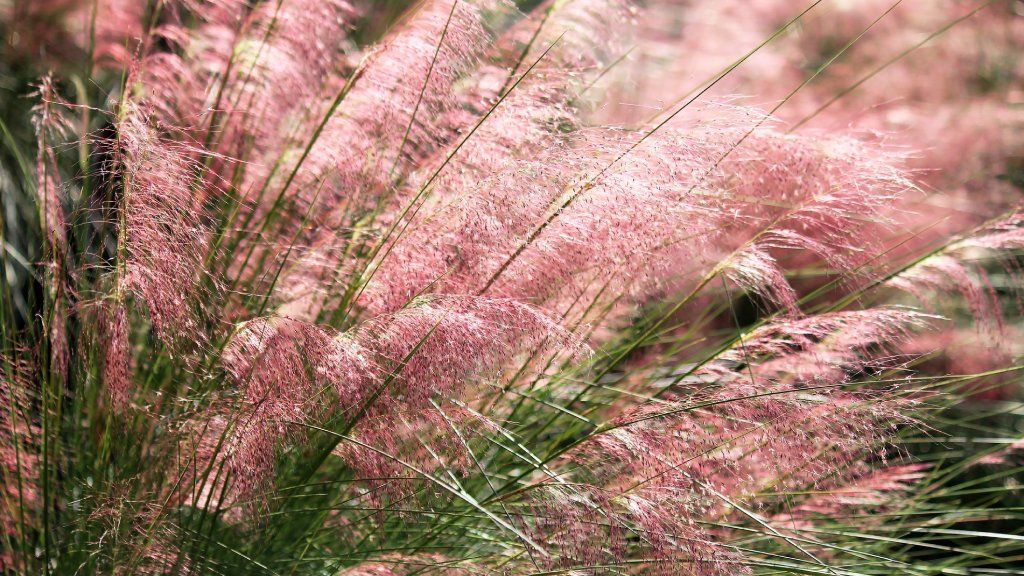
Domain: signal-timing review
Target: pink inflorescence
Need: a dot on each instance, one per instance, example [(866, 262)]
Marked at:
[(409, 259)]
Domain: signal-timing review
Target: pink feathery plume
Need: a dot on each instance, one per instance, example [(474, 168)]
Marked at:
[(943, 273), (1005, 233), (530, 95), (291, 372), (585, 525), (282, 62), (238, 81), (876, 489), (789, 391), (375, 569), (757, 270), (162, 239), (370, 569), (151, 538), (680, 193), (114, 337), (1005, 454), (383, 374), (386, 120), (51, 124), (771, 413), (430, 352), (386, 444), (433, 345), (979, 34), (118, 29), (205, 438), (955, 269), (723, 31), (965, 351), (581, 37), (674, 31), (19, 455), (386, 124), (115, 31), (511, 115), (181, 84), (111, 29), (966, 146), (833, 347), (451, 243), (269, 355), (817, 193)]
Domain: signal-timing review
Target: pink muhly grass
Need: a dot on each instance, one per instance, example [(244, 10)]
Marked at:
[(519, 107), (179, 82), (20, 463), (386, 371), (162, 241), (967, 145), (279, 73), (112, 322), (773, 193), (1003, 455), (729, 434), (385, 122), (119, 25), (290, 372), (442, 311), (162, 237), (874, 488), (152, 548), (50, 124), (826, 345), (942, 273), (952, 268), (454, 337), (373, 137)]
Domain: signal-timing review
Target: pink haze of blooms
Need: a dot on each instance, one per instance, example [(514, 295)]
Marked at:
[(415, 224)]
